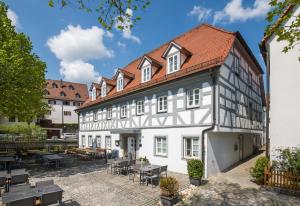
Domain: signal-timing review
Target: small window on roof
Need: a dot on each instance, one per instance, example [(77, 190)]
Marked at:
[(146, 73), (120, 83), (62, 94), (173, 62), (103, 90), (71, 87), (54, 85), (77, 95), (46, 92)]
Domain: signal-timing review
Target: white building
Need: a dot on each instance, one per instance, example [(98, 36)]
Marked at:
[(283, 71), (63, 98), (197, 96)]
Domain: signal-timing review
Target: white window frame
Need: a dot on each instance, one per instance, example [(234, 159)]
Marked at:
[(162, 104), (140, 107), (123, 112), (158, 146), (103, 90), (90, 141), (109, 113), (146, 73), (83, 140), (120, 84), (98, 141), (95, 116), (172, 65), (237, 64), (94, 94), (108, 142), (191, 98), (192, 140)]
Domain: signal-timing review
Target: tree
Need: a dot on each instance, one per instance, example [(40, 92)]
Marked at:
[(281, 12), (110, 12), (22, 74)]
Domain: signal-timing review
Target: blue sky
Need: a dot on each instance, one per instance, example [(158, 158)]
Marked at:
[(76, 48)]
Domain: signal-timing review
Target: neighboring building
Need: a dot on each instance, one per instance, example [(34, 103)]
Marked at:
[(283, 75), (63, 97), (197, 96)]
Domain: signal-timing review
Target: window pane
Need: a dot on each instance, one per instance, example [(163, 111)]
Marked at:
[(171, 64), (188, 147), (175, 63)]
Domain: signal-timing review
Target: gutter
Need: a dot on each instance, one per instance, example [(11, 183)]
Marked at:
[(214, 80)]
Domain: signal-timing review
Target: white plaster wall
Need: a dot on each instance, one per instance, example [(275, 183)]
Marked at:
[(56, 113), (114, 137), (174, 159), (284, 95)]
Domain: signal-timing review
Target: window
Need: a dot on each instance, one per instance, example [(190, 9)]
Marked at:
[(67, 113), (66, 103), (250, 80), (77, 96), (109, 113), (54, 85), (90, 141), (103, 90), (161, 146), (71, 87), (108, 142), (51, 102), (62, 94), (146, 74), (120, 84), (46, 92), (95, 116), (191, 147), (140, 108), (76, 104), (193, 98), (123, 111), (98, 141), (83, 118), (173, 63), (83, 140), (162, 104), (250, 111), (236, 64)]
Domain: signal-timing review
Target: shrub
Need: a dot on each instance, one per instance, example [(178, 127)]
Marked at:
[(257, 171), (288, 160), (195, 168), (169, 186)]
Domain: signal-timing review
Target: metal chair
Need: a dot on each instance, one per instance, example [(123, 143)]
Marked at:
[(164, 170), (155, 174)]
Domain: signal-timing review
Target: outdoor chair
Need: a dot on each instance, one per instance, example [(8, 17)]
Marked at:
[(155, 174), (44, 183), (119, 168), (164, 170)]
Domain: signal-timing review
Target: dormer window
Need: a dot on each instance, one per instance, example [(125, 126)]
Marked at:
[(146, 73), (71, 87), (62, 94), (46, 92), (103, 90), (77, 96), (120, 83), (94, 94), (173, 63), (54, 85)]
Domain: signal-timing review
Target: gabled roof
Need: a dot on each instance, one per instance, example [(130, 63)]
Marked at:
[(151, 60), (127, 74), (180, 48), (108, 81), (208, 45), (63, 86), (96, 85)]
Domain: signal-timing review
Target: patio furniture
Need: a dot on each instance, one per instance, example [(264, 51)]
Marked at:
[(26, 197), (19, 176), (153, 175), (7, 160), (44, 183), (17, 188), (52, 159), (146, 170), (3, 181), (120, 167), (50, 194), (164, 170)]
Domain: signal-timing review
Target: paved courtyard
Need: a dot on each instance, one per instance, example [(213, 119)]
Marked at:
[(89, 185)]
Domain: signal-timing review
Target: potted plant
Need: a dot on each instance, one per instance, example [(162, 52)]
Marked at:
[(168, 191), (195, 170), (257, 172)]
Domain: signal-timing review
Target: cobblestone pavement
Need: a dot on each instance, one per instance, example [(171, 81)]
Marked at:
[(90, 185)]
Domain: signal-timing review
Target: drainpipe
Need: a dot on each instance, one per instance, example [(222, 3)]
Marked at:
[(214, 81)]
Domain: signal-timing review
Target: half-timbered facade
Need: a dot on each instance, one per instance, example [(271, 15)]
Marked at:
[(198, 96)]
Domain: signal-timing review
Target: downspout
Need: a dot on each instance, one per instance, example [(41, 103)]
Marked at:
[(268, 107), (214, 81)]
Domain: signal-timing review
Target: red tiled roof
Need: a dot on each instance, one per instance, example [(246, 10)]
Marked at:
[(63, 86), (126, 74), (208, 45), (108, 81)]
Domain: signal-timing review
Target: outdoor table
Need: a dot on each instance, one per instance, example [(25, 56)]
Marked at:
[(54, 158), (16, 196), (147, 169), (19, 174), (50, 190), (3, 179), (7, 160)]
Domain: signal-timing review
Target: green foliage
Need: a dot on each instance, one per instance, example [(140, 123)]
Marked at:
[(22, 131), (288, 160), (257, 171), (277, 17), (22, 74), (195, 168), (110, 12), (143, 159), (169, 186)]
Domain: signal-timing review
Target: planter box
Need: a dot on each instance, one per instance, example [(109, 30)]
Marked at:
[(169, 201), (196, 182)]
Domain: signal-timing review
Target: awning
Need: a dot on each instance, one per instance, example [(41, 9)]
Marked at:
[(125, 131)]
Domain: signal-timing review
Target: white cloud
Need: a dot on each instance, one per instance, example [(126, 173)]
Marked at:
[(200, 12), (74, 46), (235, 11), (13, 17), (120, 44), (126, 32)]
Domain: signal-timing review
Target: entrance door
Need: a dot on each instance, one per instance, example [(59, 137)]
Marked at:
[(131, 147)]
